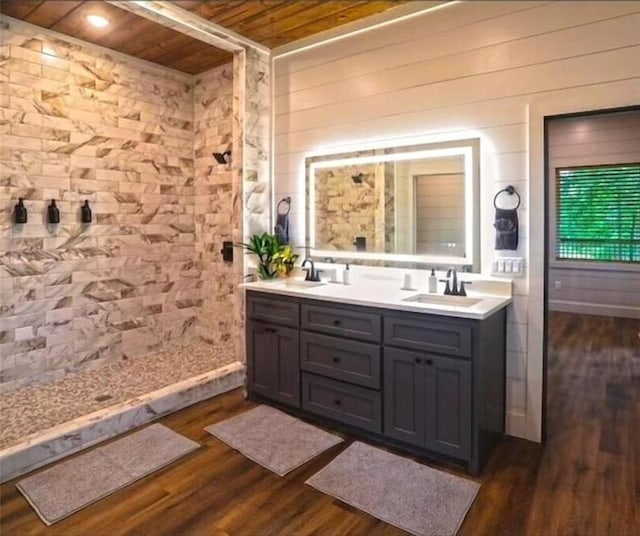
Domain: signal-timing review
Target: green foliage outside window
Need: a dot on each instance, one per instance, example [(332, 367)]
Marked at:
[(598, 213)]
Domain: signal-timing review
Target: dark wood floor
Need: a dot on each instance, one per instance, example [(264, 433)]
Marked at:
[(585, 481)]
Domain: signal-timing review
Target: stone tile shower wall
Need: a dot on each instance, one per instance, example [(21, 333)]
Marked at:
[(250, 166), (86, 124), (346, 209), (389, 208), (256, 142), (213, 109)]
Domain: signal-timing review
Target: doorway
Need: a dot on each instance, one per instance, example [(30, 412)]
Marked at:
[(592, 311)]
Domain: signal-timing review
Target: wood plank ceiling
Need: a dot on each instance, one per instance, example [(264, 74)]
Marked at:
[(269, 22)]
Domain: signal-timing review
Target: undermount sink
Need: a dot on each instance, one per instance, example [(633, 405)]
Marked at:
[(299, 283), (436, 299)]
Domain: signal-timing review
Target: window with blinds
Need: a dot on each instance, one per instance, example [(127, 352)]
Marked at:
[(598, 213)]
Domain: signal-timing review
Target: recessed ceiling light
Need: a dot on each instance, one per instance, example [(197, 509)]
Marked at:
[(97, 21)]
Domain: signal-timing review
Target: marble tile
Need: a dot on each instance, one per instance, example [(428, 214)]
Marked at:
[(213, 98), (251, 196), (345, 209), (86, 125), (136, 141)]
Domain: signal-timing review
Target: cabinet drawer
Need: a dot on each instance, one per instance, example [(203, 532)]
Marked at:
[(428, 335), (274, 310), (356, 406), (337, 321), (351, 361)]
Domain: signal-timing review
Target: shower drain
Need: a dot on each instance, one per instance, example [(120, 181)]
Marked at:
[(103, 398)]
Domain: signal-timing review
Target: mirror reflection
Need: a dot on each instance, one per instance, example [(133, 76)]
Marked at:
[(416, 201)]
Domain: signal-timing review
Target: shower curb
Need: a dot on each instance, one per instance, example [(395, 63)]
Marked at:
[(67, 438)]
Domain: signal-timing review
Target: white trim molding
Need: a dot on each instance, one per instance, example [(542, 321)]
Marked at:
[(391, 16), (604, 96)]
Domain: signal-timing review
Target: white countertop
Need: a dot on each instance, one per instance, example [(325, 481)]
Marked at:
[(388, 294)]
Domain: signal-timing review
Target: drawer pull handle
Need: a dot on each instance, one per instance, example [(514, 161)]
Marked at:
[(271, 330), (337, 322), (336, 360), (418, 360), (429, 362), (337, 401)]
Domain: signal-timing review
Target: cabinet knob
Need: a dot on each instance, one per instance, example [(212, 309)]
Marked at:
[(336, 360), (418, 360), (337, 401), (271, 330), (337, 322), (429, 362)]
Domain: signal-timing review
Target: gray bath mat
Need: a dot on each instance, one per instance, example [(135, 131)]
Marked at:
[(273, 439), (411, 496), (69, 486)]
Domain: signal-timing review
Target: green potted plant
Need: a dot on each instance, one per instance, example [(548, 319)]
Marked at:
[(267, 247)]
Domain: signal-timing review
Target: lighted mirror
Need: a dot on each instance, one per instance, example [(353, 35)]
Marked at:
[(415, 203)]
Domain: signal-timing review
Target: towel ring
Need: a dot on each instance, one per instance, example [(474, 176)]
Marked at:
[(510, 190), (285, 201)]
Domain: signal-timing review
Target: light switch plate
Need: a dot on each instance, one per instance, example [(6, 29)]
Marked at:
[(513, 266)]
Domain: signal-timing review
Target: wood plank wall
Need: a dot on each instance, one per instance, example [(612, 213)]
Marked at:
[(439, 214), (467, 70)]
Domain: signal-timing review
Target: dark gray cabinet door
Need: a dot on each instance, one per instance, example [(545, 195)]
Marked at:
[(259, 353), (404, 396), (274, 362), (448, 406), (427, 401), (287, 366)]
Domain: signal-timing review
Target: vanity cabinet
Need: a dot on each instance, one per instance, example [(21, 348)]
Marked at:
[(431, 384)]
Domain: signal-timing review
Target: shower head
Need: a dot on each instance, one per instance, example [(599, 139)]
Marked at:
[(357, 179), (223, 158)]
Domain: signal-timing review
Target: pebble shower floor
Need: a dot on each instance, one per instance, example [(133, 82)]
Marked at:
[(36, 408)]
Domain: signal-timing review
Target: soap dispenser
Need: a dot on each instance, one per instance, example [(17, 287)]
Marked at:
[(85, 212), (433, 282), (346, 276), (53, 213), (20, 212)]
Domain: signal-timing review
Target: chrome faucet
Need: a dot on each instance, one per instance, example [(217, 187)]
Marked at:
[(312, 273), (452, 284)]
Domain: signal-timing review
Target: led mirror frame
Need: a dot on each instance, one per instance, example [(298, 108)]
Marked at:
[(468, 148)]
